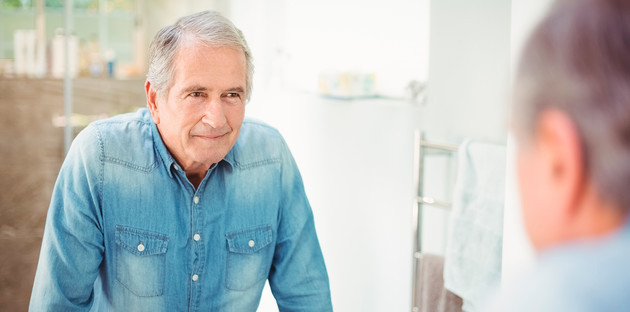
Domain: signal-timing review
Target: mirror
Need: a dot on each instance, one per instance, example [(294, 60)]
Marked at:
[(348, 83)]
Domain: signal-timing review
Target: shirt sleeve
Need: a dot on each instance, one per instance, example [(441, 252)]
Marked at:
[(72, 246), (298, 277)]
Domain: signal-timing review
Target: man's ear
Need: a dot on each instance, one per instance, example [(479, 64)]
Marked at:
[(152, 101), (563, 160)]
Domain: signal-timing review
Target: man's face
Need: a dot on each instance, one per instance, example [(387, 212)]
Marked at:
[(201, 116)]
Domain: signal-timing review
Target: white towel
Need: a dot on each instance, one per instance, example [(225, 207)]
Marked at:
[(473, 251)]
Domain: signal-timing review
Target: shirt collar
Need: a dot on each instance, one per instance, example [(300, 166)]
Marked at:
[(229, 158), (168, 160)]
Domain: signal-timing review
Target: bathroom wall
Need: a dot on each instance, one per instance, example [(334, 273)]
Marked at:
[(356, 156), (469, 65)]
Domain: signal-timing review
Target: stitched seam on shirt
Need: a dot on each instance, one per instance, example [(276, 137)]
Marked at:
[(130, 165), (117, 161), (249, 230), (257, 163), (125, 121), (101, 175)]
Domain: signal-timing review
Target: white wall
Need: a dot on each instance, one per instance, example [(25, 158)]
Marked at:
[(518, 253), (468, 70), (356, 157), (294, 41)]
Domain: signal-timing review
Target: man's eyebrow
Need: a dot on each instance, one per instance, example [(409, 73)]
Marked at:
[(194, 88), (235, 89)]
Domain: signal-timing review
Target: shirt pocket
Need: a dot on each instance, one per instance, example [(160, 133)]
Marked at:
[(140, 261), (249, 257)]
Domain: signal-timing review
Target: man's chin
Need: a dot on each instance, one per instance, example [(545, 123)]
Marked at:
[(210, 153)]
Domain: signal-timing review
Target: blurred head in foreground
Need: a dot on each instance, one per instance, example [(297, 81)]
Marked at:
[(572, 121)]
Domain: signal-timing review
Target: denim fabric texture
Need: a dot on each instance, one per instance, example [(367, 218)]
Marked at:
[(127, 231)]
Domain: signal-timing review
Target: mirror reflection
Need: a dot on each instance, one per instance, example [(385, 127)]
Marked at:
[(271, 156)]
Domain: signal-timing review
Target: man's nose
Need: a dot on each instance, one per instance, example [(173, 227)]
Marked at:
[(214, 115)]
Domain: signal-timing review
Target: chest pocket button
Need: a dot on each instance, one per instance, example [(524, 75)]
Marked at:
[(140, 259), (249, 258)]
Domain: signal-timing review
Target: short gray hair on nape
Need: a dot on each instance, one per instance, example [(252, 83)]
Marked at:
[(578, 61), (207, 27)]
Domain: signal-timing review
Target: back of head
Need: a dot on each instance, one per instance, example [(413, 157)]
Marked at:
[(205, 27), (578, 61)]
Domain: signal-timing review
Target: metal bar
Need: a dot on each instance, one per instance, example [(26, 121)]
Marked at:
[(422, 147), (447, 147), (417, 217), (420, 188), (433, 202), (67, 78)]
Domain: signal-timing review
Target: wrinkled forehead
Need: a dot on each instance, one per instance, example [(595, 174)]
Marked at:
[(201, 63)]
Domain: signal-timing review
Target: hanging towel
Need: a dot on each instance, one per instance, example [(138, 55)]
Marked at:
[(431, 296), (472, 267)]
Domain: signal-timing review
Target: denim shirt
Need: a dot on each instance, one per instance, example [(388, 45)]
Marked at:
[(127, 231)]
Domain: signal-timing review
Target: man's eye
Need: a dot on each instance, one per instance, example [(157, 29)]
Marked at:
[(233, 94), (195, 94)]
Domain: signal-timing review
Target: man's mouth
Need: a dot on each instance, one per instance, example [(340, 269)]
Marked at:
[(210, 136)]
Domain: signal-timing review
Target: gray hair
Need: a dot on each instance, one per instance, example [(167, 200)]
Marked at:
[(578, 61), (208, 27)]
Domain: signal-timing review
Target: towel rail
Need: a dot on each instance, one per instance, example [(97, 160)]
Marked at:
[(446, 147), (433, 202), (421, 148)]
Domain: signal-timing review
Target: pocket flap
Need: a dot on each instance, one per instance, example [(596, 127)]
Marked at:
[(249, 241), (141, 242)]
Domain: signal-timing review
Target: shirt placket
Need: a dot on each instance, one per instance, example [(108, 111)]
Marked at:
[(196, 235), (198, 258)]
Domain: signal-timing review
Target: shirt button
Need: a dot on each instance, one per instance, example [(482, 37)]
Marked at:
[(141, 247), (197, 237), (176, 167), (196, 200), (195, 277), (251, 243)]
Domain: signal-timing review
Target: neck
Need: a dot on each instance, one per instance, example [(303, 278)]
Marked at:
[(195, 171), (597, 224), (595, 220), (195, 178)]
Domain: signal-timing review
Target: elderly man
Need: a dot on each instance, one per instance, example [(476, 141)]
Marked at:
[(186, 206), (572, 120)]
